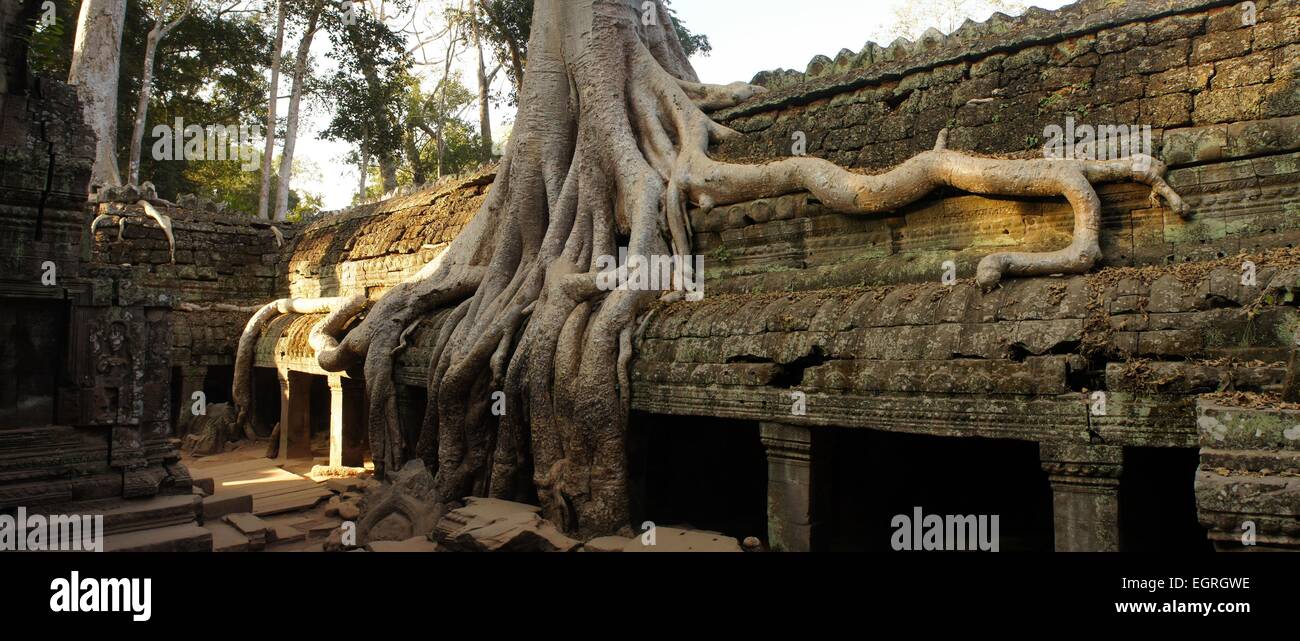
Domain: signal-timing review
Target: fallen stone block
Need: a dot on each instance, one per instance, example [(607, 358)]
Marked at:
[(176, 538), (403, 507), (223, 503), (284, 533), (493, 525), (322, 472), (606, 544), (348, 511), (225, 538), (346, 485), (413, 544), (668, 539), (257, 530), (208, 485)]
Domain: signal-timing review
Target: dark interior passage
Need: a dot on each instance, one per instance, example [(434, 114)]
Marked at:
[(412, 404), (33, 334), (266, 399), (877, 475), (320, 415), (217, 383), (1157, 501), (708, 473)]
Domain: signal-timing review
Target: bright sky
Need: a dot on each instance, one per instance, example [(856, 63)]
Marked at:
[(748, 36)]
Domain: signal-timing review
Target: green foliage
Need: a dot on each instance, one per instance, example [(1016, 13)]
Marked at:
[(208, 71), (224, 181), (693, 43), (50, 46), (369, 87), (506, 25)]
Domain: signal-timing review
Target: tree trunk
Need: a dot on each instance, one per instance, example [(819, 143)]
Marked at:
[(388, 171), (609, 150), (268, 150), (418, 176), (291, 128), (484, 109), (160, 30), (387, 164), (96, 58), (440, 128), (364, 153)]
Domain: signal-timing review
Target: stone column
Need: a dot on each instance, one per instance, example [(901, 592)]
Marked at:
[(192, 378), (792, 487), (1085, 494), (347, 421), (295, 415)]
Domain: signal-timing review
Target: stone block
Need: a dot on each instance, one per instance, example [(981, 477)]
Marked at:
[(225, 502)]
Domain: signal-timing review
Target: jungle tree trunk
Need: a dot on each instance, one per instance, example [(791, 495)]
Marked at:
[(295, 101), (272, 102), (96, 57), (484, 109), (363, 154), (610, 146), (160, 30), (440, 128)]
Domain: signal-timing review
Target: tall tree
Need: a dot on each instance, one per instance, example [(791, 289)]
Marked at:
[(96, 61), (162, 26), (367, 91), (484, 83), (295, 99), (455, 34), (272, 101), (508, 24)]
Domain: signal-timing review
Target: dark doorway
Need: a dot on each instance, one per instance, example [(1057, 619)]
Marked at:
[(31, 354), (1157, 501), (218, 383), (320, 416), (266, 399), (707, 473), (178, 411), (878, 475)]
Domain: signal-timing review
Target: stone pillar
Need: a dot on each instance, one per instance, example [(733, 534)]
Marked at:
[(347, 422), (792, 487), (295, 415), (1085, 494), (192, 377)]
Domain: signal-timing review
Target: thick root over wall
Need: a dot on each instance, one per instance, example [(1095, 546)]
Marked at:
[(609, 150)]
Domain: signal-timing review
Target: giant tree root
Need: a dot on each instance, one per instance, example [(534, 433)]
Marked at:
[(323, 336), (163, 221), (528, 379)]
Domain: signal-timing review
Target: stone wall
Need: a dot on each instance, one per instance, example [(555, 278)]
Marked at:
[(816, 319), (812, 319), (1221, 98), (995, 85), (372, 247), (1022, 361), (84, 406), (368, 248), (220, 259)]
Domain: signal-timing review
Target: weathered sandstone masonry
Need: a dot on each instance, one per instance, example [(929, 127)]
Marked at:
[(854, 312), (85, 423), (224, 264), (867, 321), (366, 249), (813, 324)]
